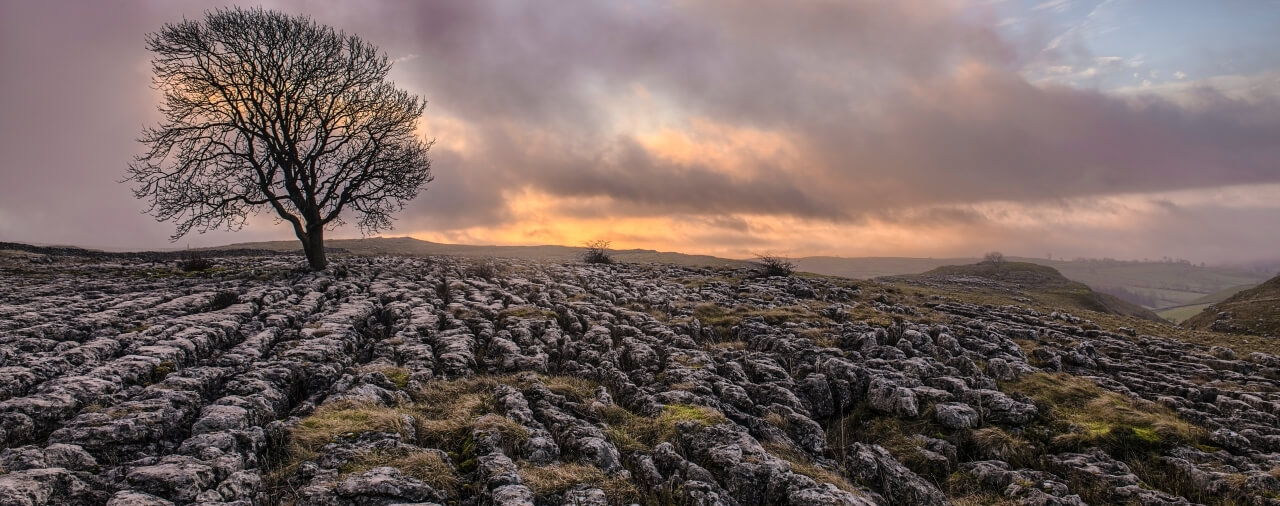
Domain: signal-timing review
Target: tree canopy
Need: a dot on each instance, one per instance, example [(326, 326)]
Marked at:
[(267, 111)]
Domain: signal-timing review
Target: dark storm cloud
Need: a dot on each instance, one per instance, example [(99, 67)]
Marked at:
[(883, 106)]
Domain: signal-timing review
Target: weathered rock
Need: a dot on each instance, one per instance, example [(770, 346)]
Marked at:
[(954, 415), (176, 478), (873, 466), (116, 381), (886, 396)]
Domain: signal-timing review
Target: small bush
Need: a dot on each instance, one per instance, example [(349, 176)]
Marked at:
[(483, 270), (597, 252), (773, 265), (195, 264)]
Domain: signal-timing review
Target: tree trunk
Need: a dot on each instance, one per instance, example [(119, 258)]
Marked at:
[(313, 246)]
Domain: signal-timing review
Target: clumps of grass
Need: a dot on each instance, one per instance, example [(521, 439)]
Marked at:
[(334, 419), (717, 317), (722, 319), (597, 252), (163, 369), (729, 345), (1088, 415), (448, 411), (443, 415), (397, 375), (631, 432), (486, 270), (574, 388), (557, 479), (777, 420), (687, 361), (429, 466), (526, 311), (770, 265), (998, 444), (138, 328)]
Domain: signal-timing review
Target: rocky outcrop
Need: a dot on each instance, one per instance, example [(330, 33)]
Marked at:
[(123, 382)]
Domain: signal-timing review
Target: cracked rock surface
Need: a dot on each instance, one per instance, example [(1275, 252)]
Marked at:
[(441, 380)]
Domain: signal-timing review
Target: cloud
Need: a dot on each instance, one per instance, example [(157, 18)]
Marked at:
[(728, 126), (1054, 5)]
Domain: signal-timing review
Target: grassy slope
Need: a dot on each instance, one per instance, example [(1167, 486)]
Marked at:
[(917, 294), (1179, 314), (1042, 283), (1170, 284), (1253, 311)]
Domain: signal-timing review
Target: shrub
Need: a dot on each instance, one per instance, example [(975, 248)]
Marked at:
[(597, 252), (195, 264), (993, 258), (483, 270), (774, 265)]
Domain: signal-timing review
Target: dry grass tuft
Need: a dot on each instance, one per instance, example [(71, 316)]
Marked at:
[(557, 479), (430, 467), (995, 443), (397, 375), (331, 420), (632, 432), (575, 388)]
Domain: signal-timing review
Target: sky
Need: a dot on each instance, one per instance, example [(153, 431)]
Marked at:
[(929, 128)]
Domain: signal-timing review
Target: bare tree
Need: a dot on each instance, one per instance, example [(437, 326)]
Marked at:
[(995, 258), (264, 110)]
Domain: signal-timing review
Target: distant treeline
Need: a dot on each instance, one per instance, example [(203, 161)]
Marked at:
[(1164, 260)]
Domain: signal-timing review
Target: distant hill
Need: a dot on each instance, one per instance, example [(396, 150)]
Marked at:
[(416, 247), (1150, 284), (1154, 284), (1254, 311), (874, 267), (1035, 281)]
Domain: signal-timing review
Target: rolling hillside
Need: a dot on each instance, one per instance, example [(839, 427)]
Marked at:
[(1178, 314), (1153, 285), (1038, 282), (1254, 311)]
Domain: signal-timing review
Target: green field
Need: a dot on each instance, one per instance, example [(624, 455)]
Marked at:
[(1181, 313)]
